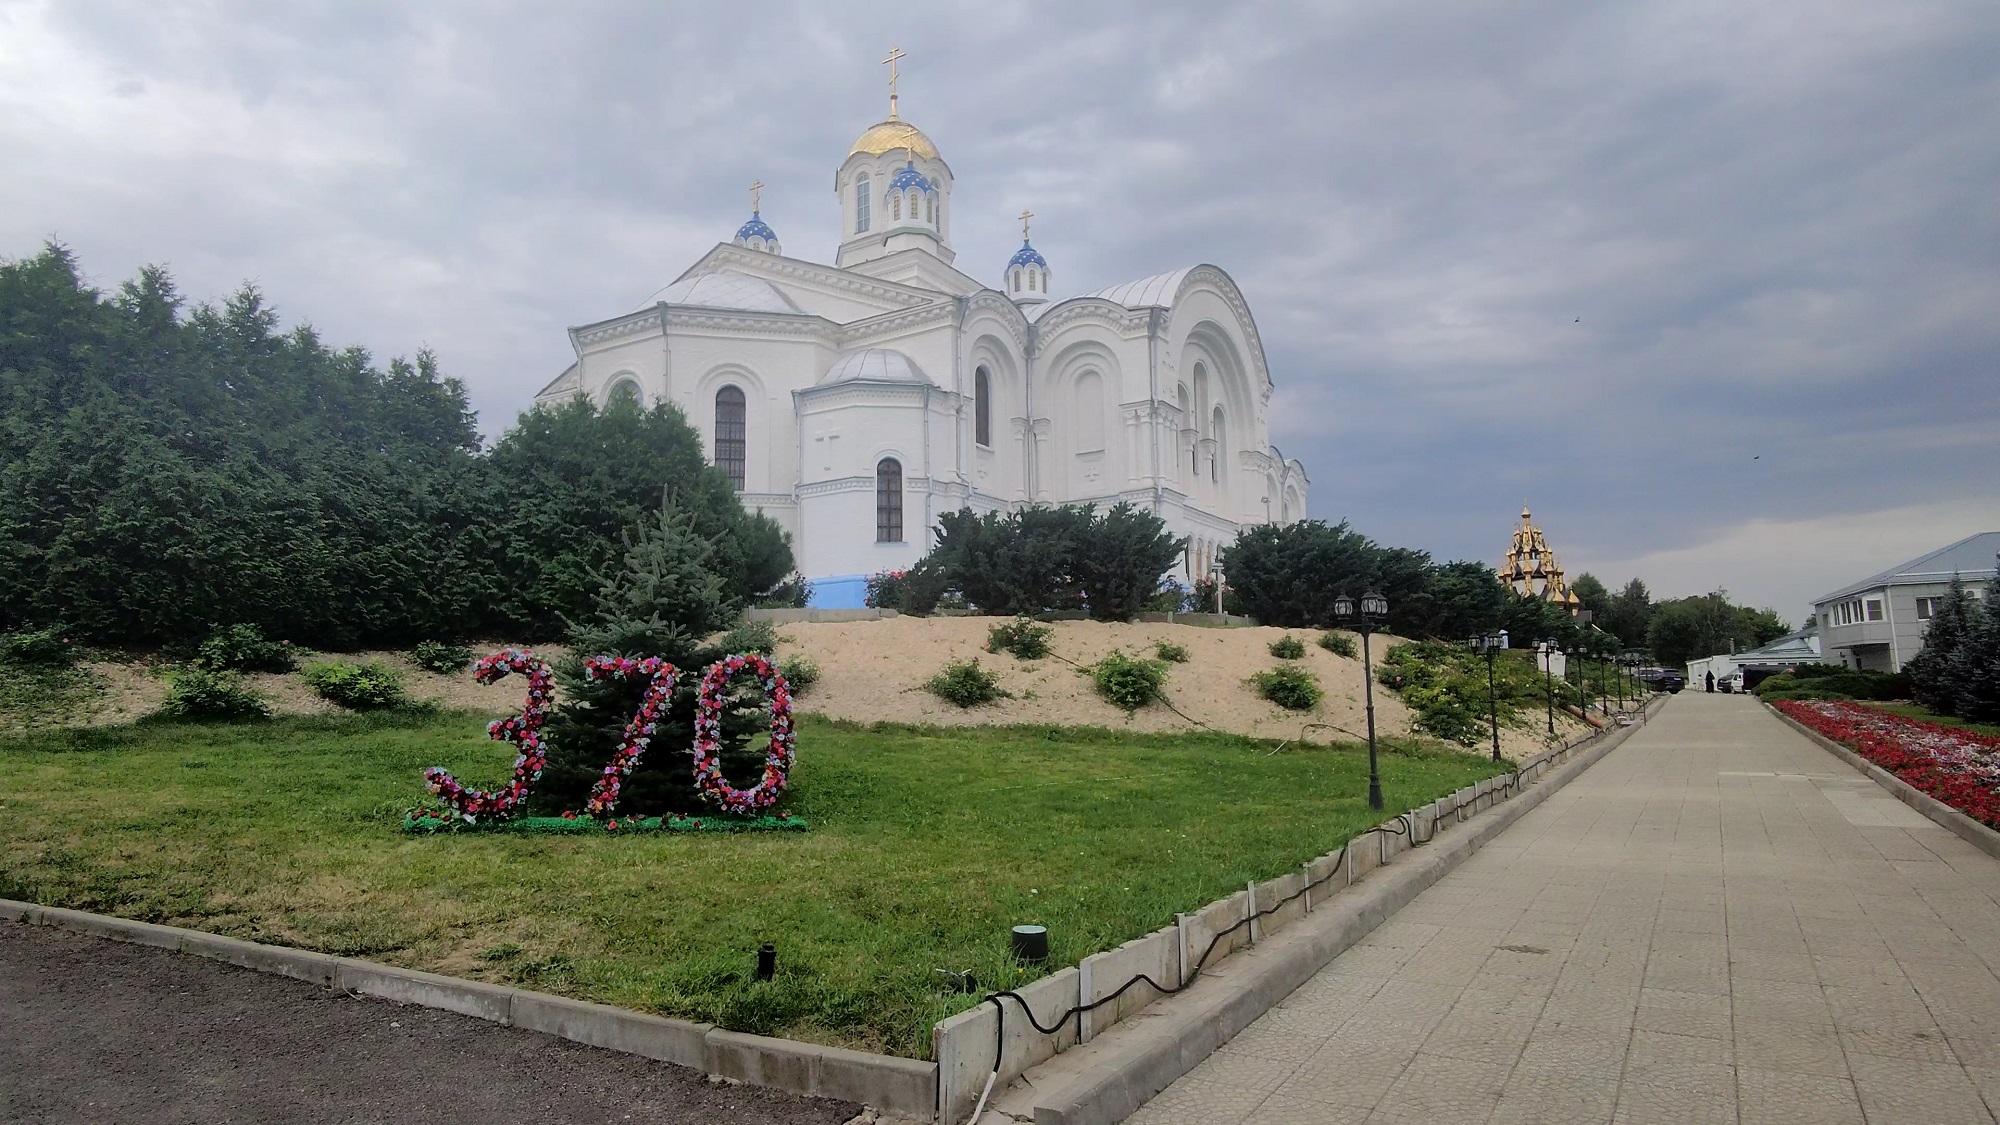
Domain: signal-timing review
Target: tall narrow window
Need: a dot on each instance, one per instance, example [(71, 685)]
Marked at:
[(930, 209), (1215, 466), (982, 407), (861, 204), (895, 205), (889, 501), (731, 442), (1031, 280)]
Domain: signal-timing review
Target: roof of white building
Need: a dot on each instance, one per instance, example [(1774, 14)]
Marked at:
[(725, 289), (1972, 557), (1158, 289), (875, 365)]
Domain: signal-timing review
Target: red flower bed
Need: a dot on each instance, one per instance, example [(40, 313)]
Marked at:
[(1959, 767)]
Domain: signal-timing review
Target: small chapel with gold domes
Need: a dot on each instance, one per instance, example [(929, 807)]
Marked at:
[(1532, 570), (855, 402)]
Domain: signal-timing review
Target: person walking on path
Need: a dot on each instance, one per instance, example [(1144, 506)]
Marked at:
[(1710, 682)]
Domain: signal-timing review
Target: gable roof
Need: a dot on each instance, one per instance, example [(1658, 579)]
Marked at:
[(1158, 289), (725, 289), (1972, 557)]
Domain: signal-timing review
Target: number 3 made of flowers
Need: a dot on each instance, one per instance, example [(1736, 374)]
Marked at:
[(523, 730), (708, 736)]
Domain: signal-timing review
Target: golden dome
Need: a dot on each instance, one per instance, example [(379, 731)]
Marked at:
[(891, 135)]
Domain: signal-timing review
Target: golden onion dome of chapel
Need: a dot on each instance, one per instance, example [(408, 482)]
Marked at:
[(894, 135), (1531, 567)]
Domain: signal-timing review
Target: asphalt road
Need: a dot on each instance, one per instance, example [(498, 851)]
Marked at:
[(96, 1030)]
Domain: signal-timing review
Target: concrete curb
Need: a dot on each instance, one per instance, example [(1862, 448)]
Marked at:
[(1961, 825), (906, 1087), (1110, 1078)]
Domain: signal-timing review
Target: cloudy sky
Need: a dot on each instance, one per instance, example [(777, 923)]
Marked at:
[(1714, 285)]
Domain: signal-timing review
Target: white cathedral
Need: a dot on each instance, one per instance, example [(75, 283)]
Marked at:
[(891, 385)]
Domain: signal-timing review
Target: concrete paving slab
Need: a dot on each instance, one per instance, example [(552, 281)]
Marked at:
[(1720, 921)]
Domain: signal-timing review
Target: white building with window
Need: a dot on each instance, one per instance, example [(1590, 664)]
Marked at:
[(1878, 623), (856, 402)]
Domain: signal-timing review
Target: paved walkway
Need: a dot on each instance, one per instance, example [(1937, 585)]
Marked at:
[(1718, 922)]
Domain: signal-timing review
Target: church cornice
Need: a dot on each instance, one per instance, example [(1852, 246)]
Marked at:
[(1226, 287), (996, 302), (745, 322), (870, 329), (758, 263), (874, 392), (631, 324)]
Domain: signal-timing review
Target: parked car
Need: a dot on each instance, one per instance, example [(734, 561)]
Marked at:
[(1662, 679)]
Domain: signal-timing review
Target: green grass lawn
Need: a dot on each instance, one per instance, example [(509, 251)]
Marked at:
[(926, 845), (1919, 711)]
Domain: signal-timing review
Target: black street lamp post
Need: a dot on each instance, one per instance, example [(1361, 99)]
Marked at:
[(1549, 681), (1490, 643), (1374, 607)]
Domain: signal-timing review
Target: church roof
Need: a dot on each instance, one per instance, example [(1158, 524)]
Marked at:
[(895, 133), (1158, 289), (874, 365), (1027, 256), (756, 228), (725, 289)]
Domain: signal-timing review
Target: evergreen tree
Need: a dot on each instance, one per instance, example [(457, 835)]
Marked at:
[(1936, 671), (1976, 664), (665, 598)]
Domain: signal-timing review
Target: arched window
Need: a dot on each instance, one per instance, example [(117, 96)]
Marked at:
[(625, 391), (731, 441), (1031, 280), (861, 203), (1187, 423), (895, 205), (889, 501), (1215, 466), (930, 209), (1089, 411), (1017, 281), (982, 407)]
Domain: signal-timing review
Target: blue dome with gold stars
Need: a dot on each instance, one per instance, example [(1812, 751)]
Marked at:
[(755, 228), (909, 178), (1027, 256)]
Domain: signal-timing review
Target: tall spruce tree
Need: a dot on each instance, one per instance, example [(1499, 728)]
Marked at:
[(1936, 671), (1976, 664), (664, 597)]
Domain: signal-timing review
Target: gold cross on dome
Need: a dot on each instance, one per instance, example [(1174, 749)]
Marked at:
[(1025, 216), (756, 197), (894, 54)]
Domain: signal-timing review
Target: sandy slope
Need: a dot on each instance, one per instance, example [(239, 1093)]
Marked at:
[(875, 670)]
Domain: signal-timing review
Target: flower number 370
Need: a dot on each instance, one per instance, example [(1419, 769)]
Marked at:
[(524, 730)]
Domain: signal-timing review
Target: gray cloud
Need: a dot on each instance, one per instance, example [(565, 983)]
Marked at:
[(1602, 256)]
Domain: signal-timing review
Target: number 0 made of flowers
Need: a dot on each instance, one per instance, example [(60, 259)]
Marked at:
[(708, 736), (523, 730)]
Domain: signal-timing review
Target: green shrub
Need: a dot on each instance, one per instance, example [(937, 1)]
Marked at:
[(1026, 638), (1339, 644), (242, 648), (1841, 683), (1131, 682), (800, 671), (760, 637), (1288, 647), (49, 647), (359, 687), (205, 693), (440, 657), (965, 684), (1815, 671), (1170, 652), (1289, 686)]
